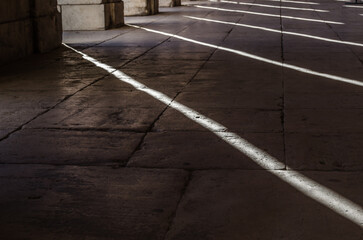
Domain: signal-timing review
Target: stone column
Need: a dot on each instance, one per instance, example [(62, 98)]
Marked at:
[(47, 25), (91, 14), (28, 26), (141, 7), (169, 3)]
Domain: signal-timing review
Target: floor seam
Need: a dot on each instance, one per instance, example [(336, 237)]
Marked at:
[(283, 115), (138, 147), (172, 217)]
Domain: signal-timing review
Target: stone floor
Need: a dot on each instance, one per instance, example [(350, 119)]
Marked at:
[(85, 155)]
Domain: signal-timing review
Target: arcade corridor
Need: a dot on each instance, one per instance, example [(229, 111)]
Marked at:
[(216, 120)]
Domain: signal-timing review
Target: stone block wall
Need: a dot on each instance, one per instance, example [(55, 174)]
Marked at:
[(169, 3), (78, 15), (28, 26), (141, 7)]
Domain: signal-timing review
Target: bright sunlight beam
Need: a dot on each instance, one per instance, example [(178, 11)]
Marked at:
[(270, 6), (279, 31), (306, 186), (297, 2), (268, 15), (255, 57)]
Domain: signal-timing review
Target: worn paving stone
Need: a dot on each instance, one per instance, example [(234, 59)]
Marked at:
[(37, 99), (323, 100), (47, 202), (238, 120), (305, 83), (164, 85), (15, 117), (257, 205), (201, 150), (137, 119), (68, 147), (326, 152), (231, 99), (324, 120), (4, 132), (90, 97), (115, 56)]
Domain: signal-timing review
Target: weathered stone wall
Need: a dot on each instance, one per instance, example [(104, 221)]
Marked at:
[(78, 15), (169, 3), (28, 26), (141, 7)]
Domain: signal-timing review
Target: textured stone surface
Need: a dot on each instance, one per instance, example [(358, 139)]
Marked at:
[(16, 40), (27, 27), (92, 16), (39, 202), (169, 3), (85, 155), (201, 150), (257, 205), (68, 147), (141, 7), (13, 10)]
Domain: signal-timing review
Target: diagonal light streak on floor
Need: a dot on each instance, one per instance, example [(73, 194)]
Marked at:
[(353, 6), (297, 2), (270, 6), (279, 31), (258, 58), (308, 187), (269, 15)]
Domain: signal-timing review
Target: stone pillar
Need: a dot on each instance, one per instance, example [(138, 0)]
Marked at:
[(169, 3), (47, 24), (141, 7), (91, 14), (28, 26)]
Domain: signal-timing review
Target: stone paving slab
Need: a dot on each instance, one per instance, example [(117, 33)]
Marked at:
[(93, 98), (179, 50), (65, 73), (176, 84), (14, 118), (326, 152), (324, 120), (5, 131), (218, 98), (257, 84), (68, 147), (90, 38), (305, 83), (136, 39), (257, 205), (238, 120), (323, 100), (47, 202), (134, 119), (29, 100), (115, 56), (201, 150)]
